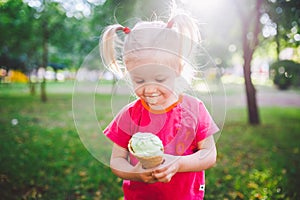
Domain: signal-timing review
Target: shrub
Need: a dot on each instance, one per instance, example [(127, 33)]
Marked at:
[(285, 73)]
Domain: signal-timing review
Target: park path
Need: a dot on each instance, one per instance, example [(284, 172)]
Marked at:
[(279, 98), (266, 97)]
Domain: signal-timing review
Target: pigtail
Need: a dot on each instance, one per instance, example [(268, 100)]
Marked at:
[(111, 49), (185, 25), (189, 39)]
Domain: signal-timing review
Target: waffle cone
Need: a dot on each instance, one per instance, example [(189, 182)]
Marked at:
[(147, 161), (150, 162)]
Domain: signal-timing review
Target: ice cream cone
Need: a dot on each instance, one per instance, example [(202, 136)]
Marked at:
[(148, 160)]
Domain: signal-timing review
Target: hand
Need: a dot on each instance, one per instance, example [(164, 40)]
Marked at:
[(167, 170), (144, 175)]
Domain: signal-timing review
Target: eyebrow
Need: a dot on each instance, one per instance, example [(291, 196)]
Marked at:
[(136, 77), (161, 76)]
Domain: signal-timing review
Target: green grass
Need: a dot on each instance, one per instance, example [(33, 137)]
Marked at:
[(42, 156), (257, 162)]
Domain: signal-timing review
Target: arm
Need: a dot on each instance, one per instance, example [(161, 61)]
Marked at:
[(203, 159), (122, 168)]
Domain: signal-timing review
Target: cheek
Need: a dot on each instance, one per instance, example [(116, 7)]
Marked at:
[(166, 90), (138, 90), (169, 85)]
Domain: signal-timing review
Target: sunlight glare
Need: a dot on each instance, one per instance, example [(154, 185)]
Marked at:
[(33, 3), (203, 6)]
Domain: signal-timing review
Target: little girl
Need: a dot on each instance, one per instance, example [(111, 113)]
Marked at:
[(154, 54)]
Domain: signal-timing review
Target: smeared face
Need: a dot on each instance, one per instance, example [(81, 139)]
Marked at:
[(154, 82)]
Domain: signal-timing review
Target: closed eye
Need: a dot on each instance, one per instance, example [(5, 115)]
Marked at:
[(160, 79), (140, 81)]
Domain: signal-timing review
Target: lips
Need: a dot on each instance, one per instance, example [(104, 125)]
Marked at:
[(152, 99)]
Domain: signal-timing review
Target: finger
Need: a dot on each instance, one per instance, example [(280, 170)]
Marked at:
[(161, 175), (151, 179), (161, 168), (165, 166), (165, 170), (166, 179), (147, 176)]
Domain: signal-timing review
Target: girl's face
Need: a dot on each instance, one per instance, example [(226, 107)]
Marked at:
[(154, 83)]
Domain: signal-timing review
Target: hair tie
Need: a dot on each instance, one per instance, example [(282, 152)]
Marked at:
[(170, 24), (126, 30)]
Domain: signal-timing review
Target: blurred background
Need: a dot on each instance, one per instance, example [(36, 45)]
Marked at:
[(252, 83), (50, 39)]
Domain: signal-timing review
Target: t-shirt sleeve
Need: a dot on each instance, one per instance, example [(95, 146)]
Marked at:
[(116, 135), (206, 125), (118, 131)]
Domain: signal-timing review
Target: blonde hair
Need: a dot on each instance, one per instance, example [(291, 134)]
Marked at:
[(177, 37)]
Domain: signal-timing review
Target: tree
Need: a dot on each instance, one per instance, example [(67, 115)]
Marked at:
[(39, 30), (251, 27), (240, 19), (16, 26), (285, 16)]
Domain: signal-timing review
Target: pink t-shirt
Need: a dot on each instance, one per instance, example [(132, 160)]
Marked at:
[(180, 127)]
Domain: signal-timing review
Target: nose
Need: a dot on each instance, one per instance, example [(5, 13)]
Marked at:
[(150, 89)]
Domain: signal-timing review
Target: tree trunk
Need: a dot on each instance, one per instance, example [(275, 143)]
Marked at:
[(253, 116), (45, 59), (249, 45), (277, 42), (31, 87)]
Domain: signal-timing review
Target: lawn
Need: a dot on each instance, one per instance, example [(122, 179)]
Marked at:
[(42, 156)]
